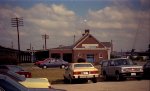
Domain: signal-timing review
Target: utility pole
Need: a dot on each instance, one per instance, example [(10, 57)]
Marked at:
[(16, 22), (45, 37), (74, 39)]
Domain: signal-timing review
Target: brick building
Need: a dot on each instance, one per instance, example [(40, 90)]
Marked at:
[(87, 47)]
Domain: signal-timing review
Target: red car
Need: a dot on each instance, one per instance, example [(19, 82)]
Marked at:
[(42, 61), (16, 69)]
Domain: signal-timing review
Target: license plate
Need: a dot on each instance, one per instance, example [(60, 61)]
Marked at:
[(85, 73), (133, 74)]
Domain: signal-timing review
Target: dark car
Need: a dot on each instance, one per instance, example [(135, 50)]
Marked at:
[(8, 84), (121, 68), (53, 63), (146, 69), (16, 69)]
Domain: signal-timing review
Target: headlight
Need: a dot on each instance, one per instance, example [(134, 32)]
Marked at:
[(141, 69)]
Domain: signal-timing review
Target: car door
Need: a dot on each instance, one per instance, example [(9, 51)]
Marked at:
[(104, 67), (111, 68), (50, 63)]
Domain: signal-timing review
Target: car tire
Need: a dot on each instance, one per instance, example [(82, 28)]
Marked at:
[(65, 80), (118, 77), (94, 80), (139, 78), (44, 67), (1, 89), (70, 80), (105, 77)]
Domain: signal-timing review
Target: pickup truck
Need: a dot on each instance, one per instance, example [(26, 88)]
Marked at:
[(121, 68)]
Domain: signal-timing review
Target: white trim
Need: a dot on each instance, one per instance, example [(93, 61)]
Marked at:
[(89, 48), (81, 41)]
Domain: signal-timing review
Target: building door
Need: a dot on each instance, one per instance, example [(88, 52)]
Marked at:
[(90, 58), (67, 57)]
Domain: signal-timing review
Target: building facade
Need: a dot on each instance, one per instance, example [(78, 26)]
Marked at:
[(87, 47)]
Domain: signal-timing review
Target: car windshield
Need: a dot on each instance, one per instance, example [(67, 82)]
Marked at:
[(123, 62), (82, 65)]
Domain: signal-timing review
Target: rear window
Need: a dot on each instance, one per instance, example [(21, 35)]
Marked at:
[(82, 65)]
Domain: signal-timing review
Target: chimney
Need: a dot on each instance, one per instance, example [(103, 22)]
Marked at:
[(87, 31)]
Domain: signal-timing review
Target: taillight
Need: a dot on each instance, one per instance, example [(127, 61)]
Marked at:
[(94, 72), (76, 73)]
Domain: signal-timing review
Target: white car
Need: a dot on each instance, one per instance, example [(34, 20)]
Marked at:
[(81, 71)]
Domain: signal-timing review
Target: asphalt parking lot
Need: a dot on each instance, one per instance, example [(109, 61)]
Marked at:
[(55, 76), (129, 85)]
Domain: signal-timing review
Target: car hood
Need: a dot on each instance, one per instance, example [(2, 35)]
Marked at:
[(130, 66), (36, 83)]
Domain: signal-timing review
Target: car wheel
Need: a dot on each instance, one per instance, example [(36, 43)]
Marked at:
[(118, 77), (1, 89), (65, 80), (70, 80), (94, 80), (105, 77), (44, 66), (139, 78)]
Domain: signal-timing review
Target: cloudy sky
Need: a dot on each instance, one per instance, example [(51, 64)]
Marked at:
[(126, 22)]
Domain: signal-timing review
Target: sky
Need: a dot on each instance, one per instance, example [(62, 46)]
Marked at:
[(125, 22)]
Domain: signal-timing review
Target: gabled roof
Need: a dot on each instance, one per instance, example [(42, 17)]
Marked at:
[(84, 37)]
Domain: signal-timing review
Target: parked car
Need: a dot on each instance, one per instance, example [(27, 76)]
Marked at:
[(41, 61), (9, 84), (53, 63), (16, 69), (27, 82), (81, 71), (146, 69), (121, 68)]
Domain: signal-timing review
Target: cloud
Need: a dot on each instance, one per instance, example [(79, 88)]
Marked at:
[(121, 25), (117, 23), (54, 20)]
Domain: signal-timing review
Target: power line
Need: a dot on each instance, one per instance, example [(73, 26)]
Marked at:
[(16, 22)]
